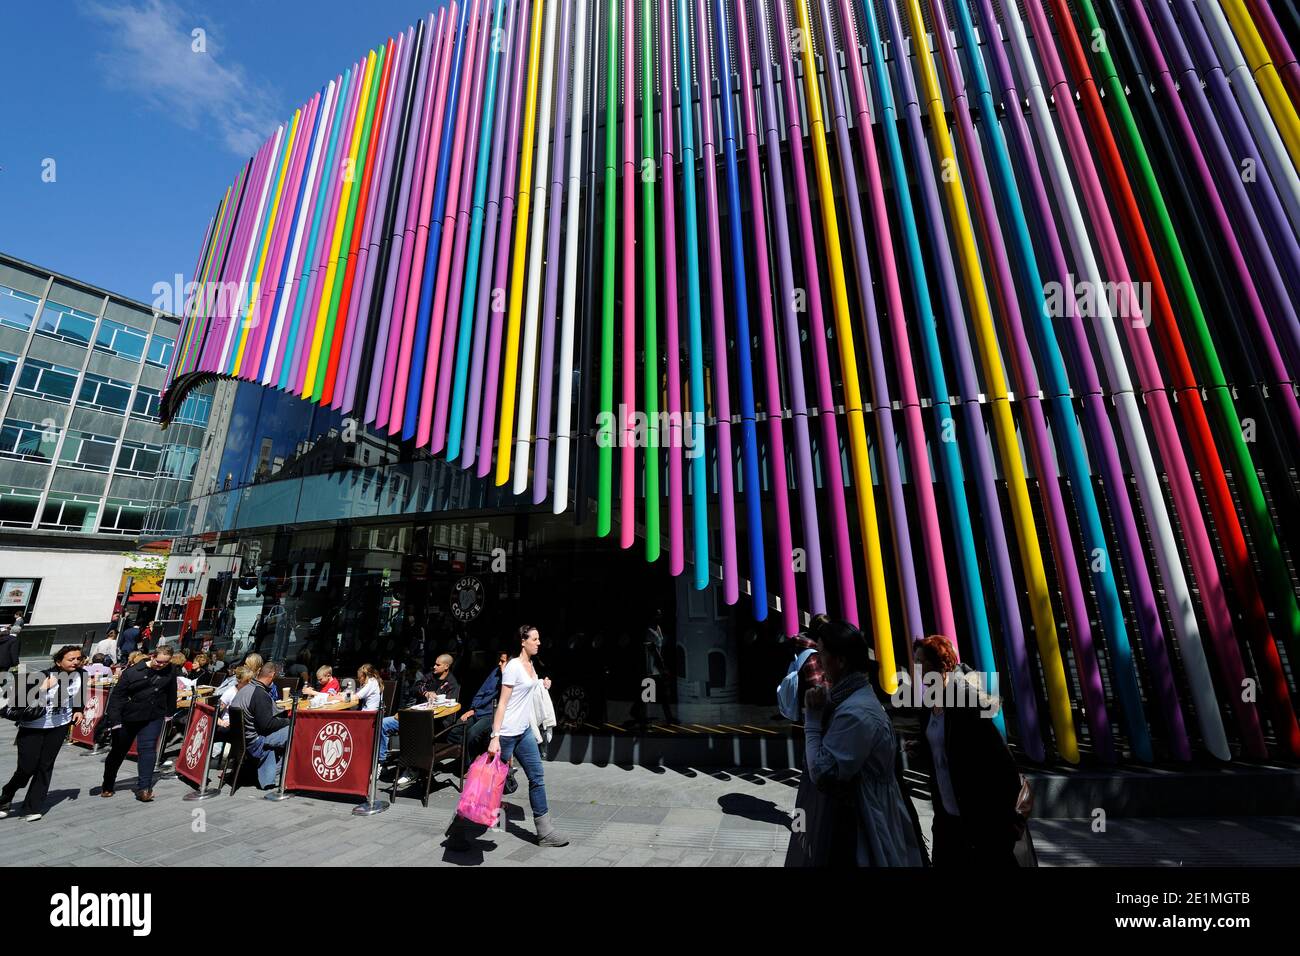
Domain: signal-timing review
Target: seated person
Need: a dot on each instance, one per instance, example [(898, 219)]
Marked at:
[(441, 683), (473, 728), (370, 689), (199, 670), (266, 733), (328, 683), (97, 667)]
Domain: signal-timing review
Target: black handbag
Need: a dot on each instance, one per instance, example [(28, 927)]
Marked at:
[(22, 714)]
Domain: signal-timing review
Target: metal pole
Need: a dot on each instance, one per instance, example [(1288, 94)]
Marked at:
[(278, 793), (373, 805), (203, 793)]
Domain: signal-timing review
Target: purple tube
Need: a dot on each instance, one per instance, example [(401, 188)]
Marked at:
[(370, 238), (235, 265), (882, 411), (383, 340), (833, 472), (488, 397), (555, 265), (721, 381), (766, 331), (805, 482), (515, 34), (447, 355), (441, 47)]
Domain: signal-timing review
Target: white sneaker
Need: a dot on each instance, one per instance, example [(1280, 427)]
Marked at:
[(33, 817), (405, 780), (5, 812)]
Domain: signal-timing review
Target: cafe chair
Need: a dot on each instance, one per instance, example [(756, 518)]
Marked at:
[(234, 753)]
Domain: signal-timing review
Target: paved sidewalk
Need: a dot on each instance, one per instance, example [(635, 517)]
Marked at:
[(614, 816)]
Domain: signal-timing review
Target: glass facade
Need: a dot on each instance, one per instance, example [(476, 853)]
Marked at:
[(81, 372)]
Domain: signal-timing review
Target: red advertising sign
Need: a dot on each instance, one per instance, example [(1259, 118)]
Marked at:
[(83, 730), (198, 743), (332, 752)]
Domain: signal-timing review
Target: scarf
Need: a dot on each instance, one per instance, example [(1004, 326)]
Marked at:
[(840, 691)]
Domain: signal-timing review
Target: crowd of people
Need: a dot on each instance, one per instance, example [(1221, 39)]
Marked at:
[(852, 805)]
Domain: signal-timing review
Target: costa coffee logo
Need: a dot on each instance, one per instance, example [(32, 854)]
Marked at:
[(194, 752), (331, 751), (91, 713)]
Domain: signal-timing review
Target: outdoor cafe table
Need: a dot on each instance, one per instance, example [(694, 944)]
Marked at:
[(186, 700), (305, 704)]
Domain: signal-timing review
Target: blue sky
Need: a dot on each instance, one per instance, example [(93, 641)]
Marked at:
[(146, 134)]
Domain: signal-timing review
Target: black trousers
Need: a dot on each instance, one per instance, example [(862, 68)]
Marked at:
[(958, 844), (145, 734), (37, 751)]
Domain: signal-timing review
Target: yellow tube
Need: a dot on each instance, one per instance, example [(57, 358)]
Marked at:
[(510, 383), (1013, 465), (326, 299), (1270, 84), (863, 486), (266, 242)]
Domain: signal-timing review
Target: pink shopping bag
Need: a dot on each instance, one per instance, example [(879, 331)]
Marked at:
[(484, 784)]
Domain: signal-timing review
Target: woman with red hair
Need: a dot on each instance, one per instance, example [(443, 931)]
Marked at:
[(975, 781)]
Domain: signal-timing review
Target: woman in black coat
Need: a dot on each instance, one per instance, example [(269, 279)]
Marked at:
[(974, 778), (62, 694), (144, 697)]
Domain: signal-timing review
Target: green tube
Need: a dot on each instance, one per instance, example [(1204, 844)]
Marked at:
[(649, 176), (607, 428)]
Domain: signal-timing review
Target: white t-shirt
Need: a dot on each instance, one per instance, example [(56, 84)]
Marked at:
[(371, 695), (56, 714), (518, 707)]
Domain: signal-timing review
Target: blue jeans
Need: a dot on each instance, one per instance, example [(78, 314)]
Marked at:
[(389, 728), (145, 734), (524, 747), (266, 750)]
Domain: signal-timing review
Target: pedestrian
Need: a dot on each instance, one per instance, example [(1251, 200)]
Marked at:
[(657, 676), (266, 731), (976, 783), (142, 700), (850, 753), (129, 639), (8, 651), (63, 696), (512, 736), (108, 646), (16, 627)]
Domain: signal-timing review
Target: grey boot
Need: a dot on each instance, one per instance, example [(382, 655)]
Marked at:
[(546, 835)]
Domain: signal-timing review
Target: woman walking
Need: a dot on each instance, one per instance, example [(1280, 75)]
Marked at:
[(975, 779), (63, 693), (512, 736), (144, 697), (850, 752)]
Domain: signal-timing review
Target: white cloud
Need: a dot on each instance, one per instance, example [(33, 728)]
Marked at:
[(148, 52)]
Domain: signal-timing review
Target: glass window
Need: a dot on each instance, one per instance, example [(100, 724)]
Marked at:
[(122, 516), (179, 461), (107, 394), (8, 364), (121, 340), (195, 409), (18, 507), (56, 382), (146, 403), (160, 350), (138, 458), (26, 440), (17, 309), (64, 512), (65, 322), (86, 450)]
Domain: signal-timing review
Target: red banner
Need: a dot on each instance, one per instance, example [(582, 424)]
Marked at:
[(198, 743), (332, 752), (83, 730)]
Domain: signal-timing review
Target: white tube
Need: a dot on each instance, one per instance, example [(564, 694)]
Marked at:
[(560, 498), (536, 242)]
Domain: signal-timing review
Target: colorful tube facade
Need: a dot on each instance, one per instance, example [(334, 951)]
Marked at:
[(931, 362)]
